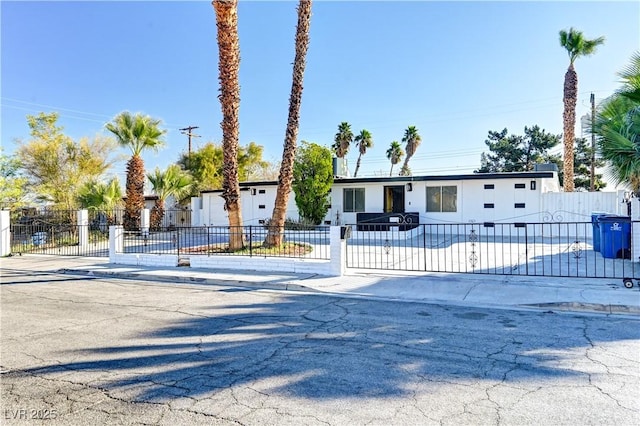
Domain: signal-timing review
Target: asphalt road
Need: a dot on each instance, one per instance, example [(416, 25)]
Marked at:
[(80, 351)]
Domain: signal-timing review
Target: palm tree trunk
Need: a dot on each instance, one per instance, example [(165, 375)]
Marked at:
[(285, 179), (135, 193), (228, 66), (157, 214), (569, 122), (391, 171), (405, 166), (355, 174)]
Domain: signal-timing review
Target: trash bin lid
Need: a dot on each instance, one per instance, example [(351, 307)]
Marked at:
[(614, 218)]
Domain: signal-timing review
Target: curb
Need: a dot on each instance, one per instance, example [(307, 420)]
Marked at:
[(186, 280), (596, 308)]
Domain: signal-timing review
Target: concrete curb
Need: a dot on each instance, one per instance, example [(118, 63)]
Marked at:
[(188, 280), (567, 307)]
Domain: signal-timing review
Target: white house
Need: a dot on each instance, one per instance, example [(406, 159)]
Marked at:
[(478, 197)]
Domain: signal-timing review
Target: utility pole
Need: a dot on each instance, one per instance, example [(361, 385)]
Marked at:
[(593, 144), (187, 131)]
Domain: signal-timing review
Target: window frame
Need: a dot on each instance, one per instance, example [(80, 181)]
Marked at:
[(441, 198), (354, 208)]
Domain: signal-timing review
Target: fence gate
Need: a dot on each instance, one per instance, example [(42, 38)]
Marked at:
[(57, 232), (557, 249)]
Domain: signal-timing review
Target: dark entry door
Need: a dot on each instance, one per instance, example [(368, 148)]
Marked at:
[(394, 199)]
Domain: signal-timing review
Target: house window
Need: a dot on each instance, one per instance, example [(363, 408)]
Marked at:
[(489, 186), (261, 206), (261, 191), (520, 186), (488, 205), (519, 205), (353, 200), (442, 198)]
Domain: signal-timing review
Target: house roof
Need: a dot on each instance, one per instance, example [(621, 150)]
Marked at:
[(244, 186)]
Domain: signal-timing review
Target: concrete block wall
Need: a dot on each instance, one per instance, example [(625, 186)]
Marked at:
[(5, 235), (335, 266)]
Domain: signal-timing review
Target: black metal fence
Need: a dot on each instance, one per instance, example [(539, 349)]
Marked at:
[(575, 249), (57, 232), (311, 243), (41, 237)]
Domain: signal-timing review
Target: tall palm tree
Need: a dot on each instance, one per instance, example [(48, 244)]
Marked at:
[(171, 182), (285, 178), (576, 45), (342, 140), (228, 67), (412, 138), (394, 154), (617, 125), (139, 133), (363, 141)]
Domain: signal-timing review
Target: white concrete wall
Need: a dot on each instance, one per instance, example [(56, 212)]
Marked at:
[(335, 266), (5, 233)]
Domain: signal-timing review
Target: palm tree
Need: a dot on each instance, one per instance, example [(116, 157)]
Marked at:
[(285, 178), (412, 138), (617, 125), (394, 154), (576, 45), (171, 182), (363, 141), (100, 196), (103, 198), (137, 132), (342, 140), (228, 66)]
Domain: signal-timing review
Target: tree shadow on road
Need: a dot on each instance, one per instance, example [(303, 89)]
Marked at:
[(319, 348)]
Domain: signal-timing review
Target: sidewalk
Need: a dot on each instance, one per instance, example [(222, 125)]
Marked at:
[(497, 291)]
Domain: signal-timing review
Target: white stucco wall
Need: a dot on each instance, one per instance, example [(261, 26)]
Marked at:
[(256, 202)]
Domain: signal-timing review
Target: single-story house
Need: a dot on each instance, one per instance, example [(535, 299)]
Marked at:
[(464, 198)]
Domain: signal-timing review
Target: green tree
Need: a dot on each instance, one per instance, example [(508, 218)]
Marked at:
[(285, 178), (99, 196), (228, 70), (412, 138), (56, 166), (312, 180), (138, 133), (515, 153), (394, 154), (342, 140), (166, 183), (576, 45), (12, 182), (206, 165), (582, 166), (363, 141), (617, 126)]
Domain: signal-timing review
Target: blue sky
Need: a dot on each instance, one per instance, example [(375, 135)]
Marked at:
[(454, 69)]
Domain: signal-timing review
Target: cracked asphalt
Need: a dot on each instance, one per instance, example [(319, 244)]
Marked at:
[(79, 350)]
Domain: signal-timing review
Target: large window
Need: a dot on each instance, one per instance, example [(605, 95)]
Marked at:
[(353, 200), (442, 198)]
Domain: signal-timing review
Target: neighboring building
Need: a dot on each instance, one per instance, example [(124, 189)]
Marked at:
[(478, 197)]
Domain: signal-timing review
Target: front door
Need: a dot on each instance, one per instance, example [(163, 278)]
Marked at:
[(394, 199)]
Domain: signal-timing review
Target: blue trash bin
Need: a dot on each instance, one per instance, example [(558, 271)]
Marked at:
[(595, 226), (615, 236)]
